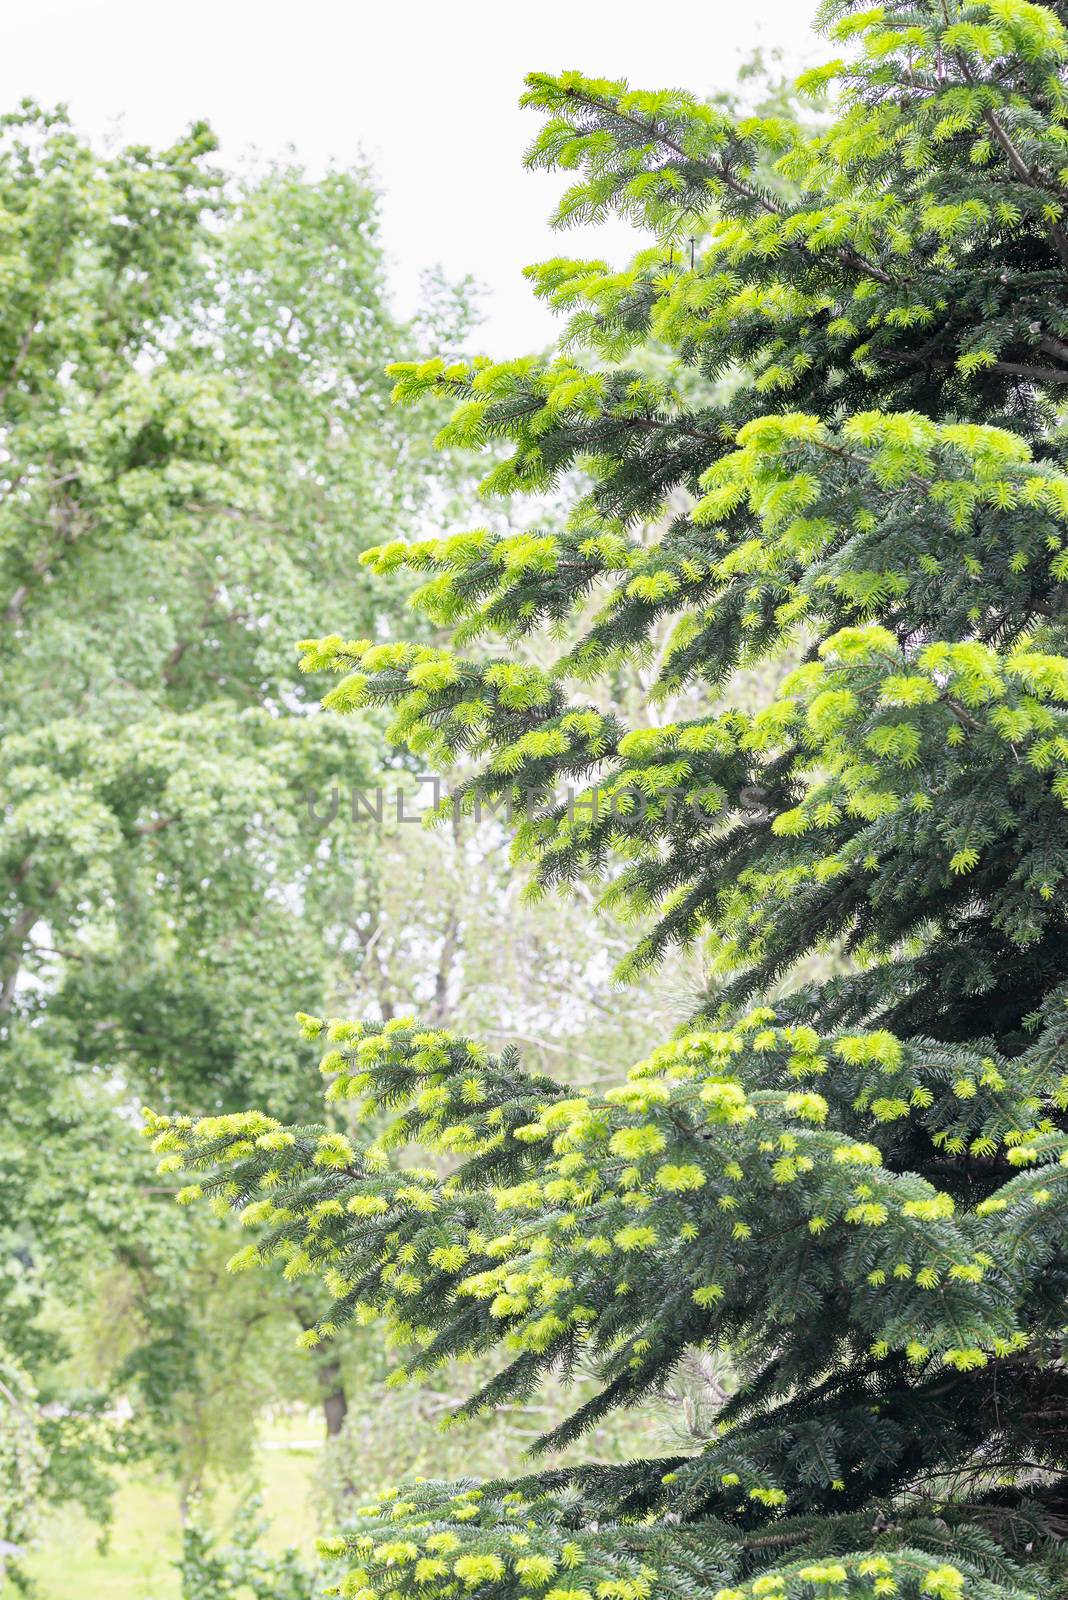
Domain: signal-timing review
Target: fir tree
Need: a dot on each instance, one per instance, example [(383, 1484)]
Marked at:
[(851, 1186)]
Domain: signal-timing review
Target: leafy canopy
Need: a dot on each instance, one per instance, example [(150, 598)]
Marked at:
[(855, 1186), (194, 421)]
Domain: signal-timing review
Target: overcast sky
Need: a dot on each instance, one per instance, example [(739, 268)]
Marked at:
[(426, 92)]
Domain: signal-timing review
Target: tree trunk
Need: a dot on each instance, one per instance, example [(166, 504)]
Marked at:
[(335, 1401), (328, 1375)]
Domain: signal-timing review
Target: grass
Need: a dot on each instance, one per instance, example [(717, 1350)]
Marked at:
[(146, 1533)]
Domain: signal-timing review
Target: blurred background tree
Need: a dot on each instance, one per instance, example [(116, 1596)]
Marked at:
[(195, 439)]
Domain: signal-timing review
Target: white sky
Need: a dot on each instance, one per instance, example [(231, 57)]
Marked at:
[(427, 92)]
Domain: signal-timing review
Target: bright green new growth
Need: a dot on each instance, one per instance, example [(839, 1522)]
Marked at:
[(858, 1189)]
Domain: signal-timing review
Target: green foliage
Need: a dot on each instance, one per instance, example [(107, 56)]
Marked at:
[(854, 1185), (195, 427), (23, 1458), (213, 1570)]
